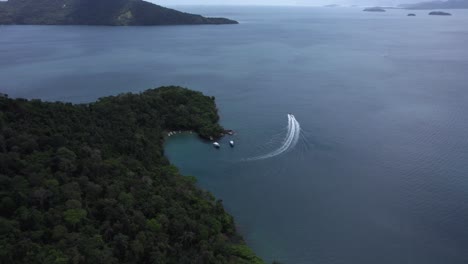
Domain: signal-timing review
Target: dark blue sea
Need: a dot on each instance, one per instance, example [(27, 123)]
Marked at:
[(379, 171)]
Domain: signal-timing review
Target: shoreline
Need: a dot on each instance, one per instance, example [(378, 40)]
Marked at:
[(171, 133)]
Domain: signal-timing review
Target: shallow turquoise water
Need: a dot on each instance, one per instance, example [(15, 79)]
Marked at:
[(380, 173)]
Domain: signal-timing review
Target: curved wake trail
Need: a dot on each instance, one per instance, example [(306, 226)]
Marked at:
[(292, 137)]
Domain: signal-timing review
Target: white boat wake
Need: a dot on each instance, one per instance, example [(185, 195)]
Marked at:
[(292, 137)]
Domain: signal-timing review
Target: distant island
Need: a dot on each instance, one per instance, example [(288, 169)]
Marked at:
[(97, 12), (89, 183), (411, 14), (449, 4), (439, 13), (374, 9)]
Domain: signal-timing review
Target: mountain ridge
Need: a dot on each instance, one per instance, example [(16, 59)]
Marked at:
[(449, 4)]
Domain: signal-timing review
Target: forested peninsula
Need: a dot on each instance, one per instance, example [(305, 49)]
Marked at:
[(89, 183)]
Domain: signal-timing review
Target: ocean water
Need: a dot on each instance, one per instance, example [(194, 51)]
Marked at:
[(379, 173)]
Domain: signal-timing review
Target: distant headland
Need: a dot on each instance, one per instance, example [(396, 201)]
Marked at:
[(449, 4), (97, 12)]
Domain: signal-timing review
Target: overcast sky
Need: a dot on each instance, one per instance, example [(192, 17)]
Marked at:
[(282, 2)]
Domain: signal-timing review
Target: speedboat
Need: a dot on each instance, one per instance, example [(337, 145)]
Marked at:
[(231, 143), (216, 145)]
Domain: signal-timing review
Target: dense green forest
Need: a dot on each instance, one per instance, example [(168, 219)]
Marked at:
[(89, 183), (97, 12)]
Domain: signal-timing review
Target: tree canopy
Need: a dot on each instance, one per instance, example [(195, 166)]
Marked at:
[(89, 183)]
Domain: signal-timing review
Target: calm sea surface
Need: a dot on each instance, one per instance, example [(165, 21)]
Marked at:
[(380, 173)]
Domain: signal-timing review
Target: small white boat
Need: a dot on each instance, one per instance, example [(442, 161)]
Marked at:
[(216, 145), (231, 143)]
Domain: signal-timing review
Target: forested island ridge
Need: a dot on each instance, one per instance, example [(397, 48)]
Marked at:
[(97, 12)]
